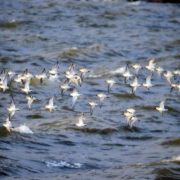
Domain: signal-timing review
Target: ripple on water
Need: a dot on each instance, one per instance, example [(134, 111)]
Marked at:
[(167, 173), (34, 116), (104, 131), (173, 142), (129, 96), (11, 24)]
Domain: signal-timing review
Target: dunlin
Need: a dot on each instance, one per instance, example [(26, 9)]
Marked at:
[(74, 95), (161, 107), (80, 123), (151, 65), (12, 109), (50, 106), (148, 83)]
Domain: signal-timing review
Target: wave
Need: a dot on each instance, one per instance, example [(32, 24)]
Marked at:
[(10, 24), (95, 130), (175, 142)]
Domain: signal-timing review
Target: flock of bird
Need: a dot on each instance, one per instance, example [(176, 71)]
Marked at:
[(73, 79)]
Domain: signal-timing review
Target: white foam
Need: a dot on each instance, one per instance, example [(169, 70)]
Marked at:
[(94, 75), (135, 3), (23, 129), (63, 164), (120, 70), (173, 159)]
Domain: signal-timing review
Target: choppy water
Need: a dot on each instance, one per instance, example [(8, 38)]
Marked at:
[(101, 36)]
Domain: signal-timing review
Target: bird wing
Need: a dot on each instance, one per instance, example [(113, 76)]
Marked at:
[(74, 99), (30, 101), (151, 62), (27, 83), (5, 80), (74, 91), (44, 71), (51, 101), (148, 79), (134, 89), (135, 80), (12, 104), (56, 67), (161, 105), (81, 119), (75, 81)]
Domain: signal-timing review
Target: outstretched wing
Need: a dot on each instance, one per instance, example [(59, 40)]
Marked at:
[(27, 83), (152, 62), (12, 104), (148, 79), (51, 101), (161, 105), (135, 80), (30, 101)]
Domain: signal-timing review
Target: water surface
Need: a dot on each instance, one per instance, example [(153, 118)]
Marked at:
[(101, 36)]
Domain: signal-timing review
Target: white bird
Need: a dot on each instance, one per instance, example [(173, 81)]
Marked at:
[(101, 96), (168, 75), (30, 101), (74, 95), (176, 73), (148, 83), (132, 120), (65, 87), (54, 77), (161, 107), (42, 76), (77, 80), (70, 74), (4, 83), (80, 123), (135, 85), (54, 69), (51, 105), (22, 129), (110, 83), (83, 72), (27, 75), (159, 71), (137, 67), (8, 124), (92, 106), (127, 74), (131, 110), (11, 74), (129, 114), (72, 68), (151, 65), (26, 88), (72, 77), (20, 78), (2, 75), (178, 86), (12, 109), (173, 86)]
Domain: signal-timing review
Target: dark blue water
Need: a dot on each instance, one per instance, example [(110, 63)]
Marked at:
[(101, 36)]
